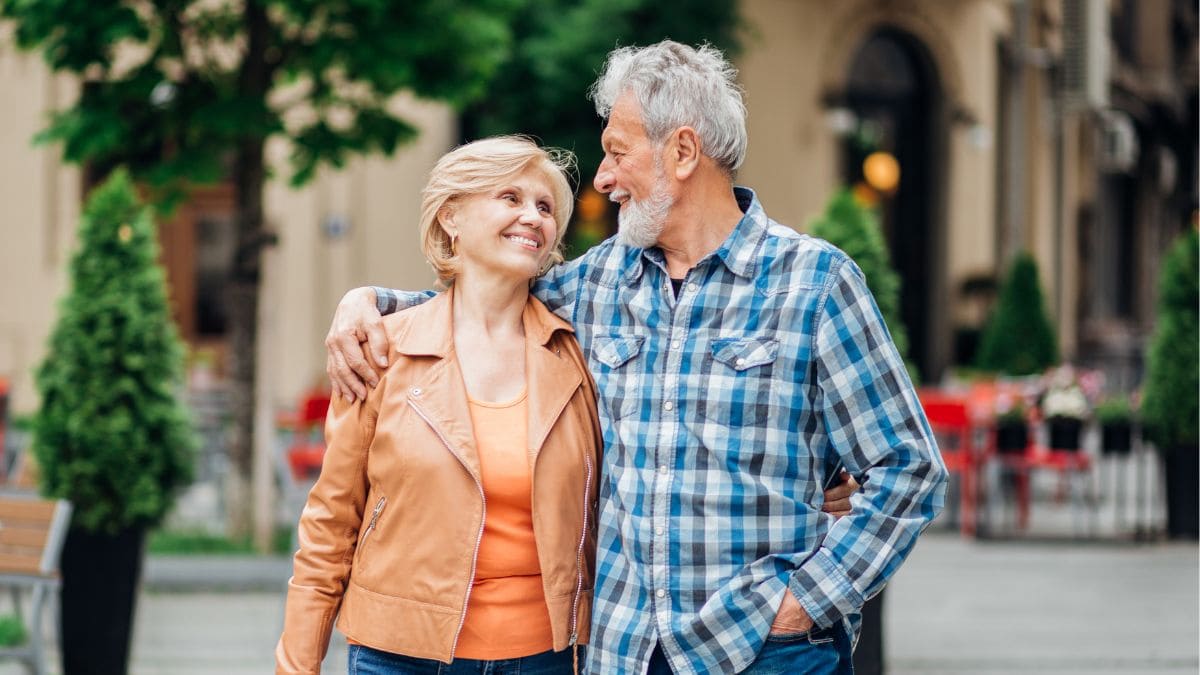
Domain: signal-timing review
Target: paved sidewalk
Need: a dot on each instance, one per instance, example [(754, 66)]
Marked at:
[(992, 608)]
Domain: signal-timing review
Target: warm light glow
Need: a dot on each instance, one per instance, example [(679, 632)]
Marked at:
[(592, 204), (882, 171)]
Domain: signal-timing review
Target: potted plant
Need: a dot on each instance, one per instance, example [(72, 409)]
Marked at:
[(1065, 407), (111, 434), (1170, 407), (1012, 427), (1115, 416)]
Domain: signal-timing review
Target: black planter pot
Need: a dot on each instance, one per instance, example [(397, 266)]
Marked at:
[(1116, 438), (1011, 437), (1182, 466), (100, 575), (1064, 433)]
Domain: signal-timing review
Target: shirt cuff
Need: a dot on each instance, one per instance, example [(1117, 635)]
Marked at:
[(824, 591), (385, 300)]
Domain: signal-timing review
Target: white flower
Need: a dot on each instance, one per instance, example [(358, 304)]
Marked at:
[(1065, 402)]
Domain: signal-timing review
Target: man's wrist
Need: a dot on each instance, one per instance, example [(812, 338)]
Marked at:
[(384, 299)]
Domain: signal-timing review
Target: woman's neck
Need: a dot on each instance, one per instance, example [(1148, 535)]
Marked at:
[(489, 306)]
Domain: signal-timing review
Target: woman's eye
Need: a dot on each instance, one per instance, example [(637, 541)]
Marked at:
[(544, 208), (509, 197)]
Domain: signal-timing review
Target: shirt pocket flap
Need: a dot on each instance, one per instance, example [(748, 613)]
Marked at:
[(743, 353), (614, 351)]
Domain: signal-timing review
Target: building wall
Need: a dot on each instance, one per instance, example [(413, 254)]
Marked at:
[(41, 206), (798, 52), (305, 274)]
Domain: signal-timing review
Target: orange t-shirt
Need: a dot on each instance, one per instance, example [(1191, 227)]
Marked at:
[(507, 616)]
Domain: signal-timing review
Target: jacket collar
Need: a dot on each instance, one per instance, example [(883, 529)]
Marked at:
[(551, 377), (431, 332)]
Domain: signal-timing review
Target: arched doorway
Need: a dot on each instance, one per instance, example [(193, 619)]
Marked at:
[(893, 90)]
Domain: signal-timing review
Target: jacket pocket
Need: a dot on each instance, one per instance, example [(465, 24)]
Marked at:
[(372, 524), (740, 380), (618, 372)]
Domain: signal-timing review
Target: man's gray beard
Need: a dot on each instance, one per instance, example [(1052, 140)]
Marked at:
[(639, 223)]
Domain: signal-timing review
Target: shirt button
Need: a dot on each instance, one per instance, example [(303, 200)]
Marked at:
[(658, 531), (660, 593), (416, 391), (741, 362), (663, 469), (691, 285), (676, 344), (669, 405)]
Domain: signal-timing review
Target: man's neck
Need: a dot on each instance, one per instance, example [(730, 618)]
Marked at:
[(700, 221)]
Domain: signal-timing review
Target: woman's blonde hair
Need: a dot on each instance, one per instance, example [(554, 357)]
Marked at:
[(481, 166)]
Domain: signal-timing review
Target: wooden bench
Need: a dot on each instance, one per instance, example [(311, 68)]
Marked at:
[(32, 531)]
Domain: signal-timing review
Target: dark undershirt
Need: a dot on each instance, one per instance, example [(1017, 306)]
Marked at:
[(676, 285)]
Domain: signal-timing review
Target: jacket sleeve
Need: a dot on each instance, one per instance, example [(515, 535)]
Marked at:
[(328, 536)]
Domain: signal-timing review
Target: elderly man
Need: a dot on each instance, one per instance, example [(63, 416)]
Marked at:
[(737, 363)]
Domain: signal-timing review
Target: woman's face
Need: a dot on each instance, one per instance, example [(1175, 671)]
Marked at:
[(508, 230)]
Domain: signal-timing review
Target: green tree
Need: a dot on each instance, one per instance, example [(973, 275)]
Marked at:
[(1171, 408), (1018, 338), (855, 229), (112, 435), (178, 90), (559, 48)]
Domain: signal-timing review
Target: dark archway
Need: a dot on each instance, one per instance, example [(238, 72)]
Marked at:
[(894, 91)]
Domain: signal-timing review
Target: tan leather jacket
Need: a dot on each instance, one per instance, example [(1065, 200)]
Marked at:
[(390, 532)]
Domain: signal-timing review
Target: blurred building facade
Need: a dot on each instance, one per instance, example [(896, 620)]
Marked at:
[(1062, 127)]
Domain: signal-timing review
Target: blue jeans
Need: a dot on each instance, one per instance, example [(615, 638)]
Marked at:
[(824, 651), (367, 661)]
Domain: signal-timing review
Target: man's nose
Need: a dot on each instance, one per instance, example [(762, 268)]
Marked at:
[(604, 181)]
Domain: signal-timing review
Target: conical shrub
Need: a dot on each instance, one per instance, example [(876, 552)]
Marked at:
[(111, 434), (1018, 338)]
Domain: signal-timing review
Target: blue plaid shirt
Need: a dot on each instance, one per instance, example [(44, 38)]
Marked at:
[(722, 411)]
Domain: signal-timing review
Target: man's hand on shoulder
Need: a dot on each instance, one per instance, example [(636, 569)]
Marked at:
[(355, 336)]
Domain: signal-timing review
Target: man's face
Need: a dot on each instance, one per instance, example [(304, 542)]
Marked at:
[(632, 175)]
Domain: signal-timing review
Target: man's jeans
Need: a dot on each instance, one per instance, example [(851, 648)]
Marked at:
[(824, 651), (367, 661)]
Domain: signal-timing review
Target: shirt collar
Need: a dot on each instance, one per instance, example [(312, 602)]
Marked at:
[(739, 252)]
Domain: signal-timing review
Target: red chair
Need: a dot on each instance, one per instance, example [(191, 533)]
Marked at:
[(951, 423), (307, 448)]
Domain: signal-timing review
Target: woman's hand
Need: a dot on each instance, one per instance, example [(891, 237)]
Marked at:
[(355, 338), (837, 498)]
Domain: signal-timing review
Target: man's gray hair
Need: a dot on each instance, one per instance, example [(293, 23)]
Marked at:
[(677, 85)]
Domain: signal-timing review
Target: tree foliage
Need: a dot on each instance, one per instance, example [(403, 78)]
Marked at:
[(1018, 338), (560, 45), (171, 87), (1171, 408), (111, 435), (855, 229)]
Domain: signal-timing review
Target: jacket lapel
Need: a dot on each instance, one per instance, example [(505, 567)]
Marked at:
[(439, 395), (552, 378)]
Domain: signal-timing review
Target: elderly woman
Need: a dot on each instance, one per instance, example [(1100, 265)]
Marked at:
[(452, 522)]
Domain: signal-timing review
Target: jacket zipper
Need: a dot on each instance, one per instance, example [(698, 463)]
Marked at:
[(587, 486), (374, 519), (478, 537)]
